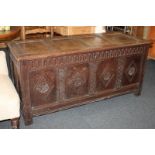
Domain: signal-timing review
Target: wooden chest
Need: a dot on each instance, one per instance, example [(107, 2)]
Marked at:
[(64, 72)]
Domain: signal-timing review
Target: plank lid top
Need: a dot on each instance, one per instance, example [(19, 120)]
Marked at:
[(31, 49)]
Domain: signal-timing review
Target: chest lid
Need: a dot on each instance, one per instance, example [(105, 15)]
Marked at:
[(32, 49)]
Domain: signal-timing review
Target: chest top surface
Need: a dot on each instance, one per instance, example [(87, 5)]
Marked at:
[(32, 49)]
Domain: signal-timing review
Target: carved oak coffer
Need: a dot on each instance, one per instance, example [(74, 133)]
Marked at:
[(63, 72)]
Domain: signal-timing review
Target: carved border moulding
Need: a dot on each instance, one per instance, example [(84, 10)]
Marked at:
[(84, 57), (120, 68)]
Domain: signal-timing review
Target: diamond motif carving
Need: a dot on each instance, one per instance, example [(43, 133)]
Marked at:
[(77, 81), (44, 83), (106, 76), (131, 71), (43, 87)]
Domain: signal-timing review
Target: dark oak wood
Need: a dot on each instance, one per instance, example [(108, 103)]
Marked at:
[(60, 73), (15, 123)]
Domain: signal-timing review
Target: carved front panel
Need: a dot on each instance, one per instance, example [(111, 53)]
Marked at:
[(42, 87), (106, 75), (76, 80), (131, 71)]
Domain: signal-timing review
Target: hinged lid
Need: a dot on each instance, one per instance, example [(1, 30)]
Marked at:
[(32, 49)]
